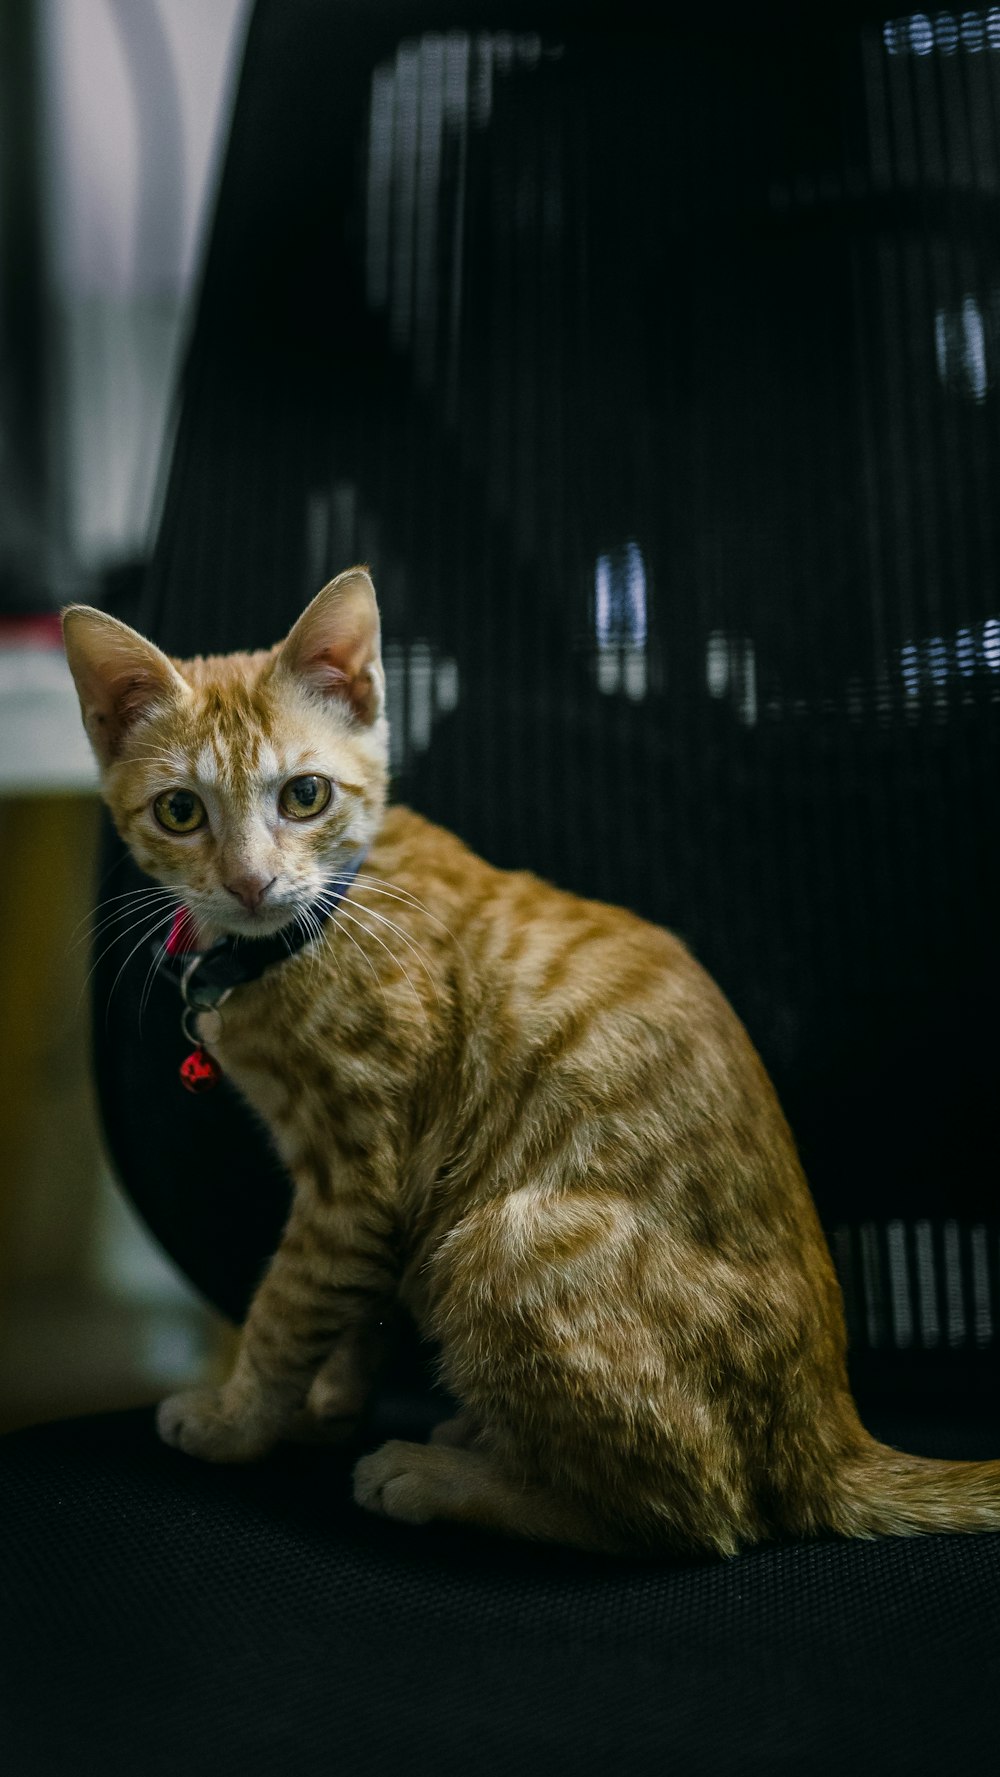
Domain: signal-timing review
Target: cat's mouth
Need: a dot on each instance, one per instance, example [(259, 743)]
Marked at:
[(260, 922), (244, 922), (299, 908)]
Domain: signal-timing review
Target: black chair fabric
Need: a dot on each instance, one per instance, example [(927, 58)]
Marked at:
[(164, 1616)]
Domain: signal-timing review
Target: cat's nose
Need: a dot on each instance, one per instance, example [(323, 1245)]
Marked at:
[(249, 890)]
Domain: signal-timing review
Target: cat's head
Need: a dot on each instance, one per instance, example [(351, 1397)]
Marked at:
[(246, 782)]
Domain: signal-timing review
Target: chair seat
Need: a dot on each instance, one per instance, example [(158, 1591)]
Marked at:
[(162, 1615)]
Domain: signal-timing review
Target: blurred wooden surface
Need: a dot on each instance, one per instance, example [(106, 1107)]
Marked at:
[(48, 1130), (91, 1315)]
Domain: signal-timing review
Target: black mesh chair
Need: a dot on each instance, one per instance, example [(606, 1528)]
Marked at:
[(655, 372)]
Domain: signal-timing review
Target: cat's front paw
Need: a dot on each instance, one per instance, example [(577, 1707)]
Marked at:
[(393, 1481), (405, 1481), (198, 1422)]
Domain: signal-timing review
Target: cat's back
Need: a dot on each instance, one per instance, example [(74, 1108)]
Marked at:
[(562, 982), (540, 940)]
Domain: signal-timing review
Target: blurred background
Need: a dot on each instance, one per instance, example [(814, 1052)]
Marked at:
[(112, 118)]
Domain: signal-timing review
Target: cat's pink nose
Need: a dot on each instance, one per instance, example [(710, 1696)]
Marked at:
[(249, 890)]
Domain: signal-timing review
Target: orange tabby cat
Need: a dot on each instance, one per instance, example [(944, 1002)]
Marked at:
[(531, 1119)]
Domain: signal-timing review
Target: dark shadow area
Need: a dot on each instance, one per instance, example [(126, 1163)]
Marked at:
[(220, 1620)]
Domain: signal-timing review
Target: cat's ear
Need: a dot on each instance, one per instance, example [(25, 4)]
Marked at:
[(335, 647), (119, 676)]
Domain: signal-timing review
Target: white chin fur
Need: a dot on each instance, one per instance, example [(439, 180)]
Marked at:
[(233, 922)]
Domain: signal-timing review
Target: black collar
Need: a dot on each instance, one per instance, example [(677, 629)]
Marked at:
[(206, 977)]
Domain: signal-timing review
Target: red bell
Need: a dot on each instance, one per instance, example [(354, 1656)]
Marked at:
[(199, 1073)]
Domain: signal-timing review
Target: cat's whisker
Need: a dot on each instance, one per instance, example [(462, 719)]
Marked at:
[(164, 759), (156, 927), (105, 928), (146, 912), (306, 920), (342, 911), (363, 877), (112, 918), (334, 921), (119, 936), (395, 892), (149, 931), (322, 939), (418, 950), (321, 936), (151, 888), (300, 923), (147, 987), (157, 888)]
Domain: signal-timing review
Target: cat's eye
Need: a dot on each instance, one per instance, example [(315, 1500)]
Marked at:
[(180, 811), (305, 796)]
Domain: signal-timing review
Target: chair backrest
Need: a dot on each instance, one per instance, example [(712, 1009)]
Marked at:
[(655, 372)]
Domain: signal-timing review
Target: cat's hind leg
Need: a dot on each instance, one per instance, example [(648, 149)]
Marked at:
[(342, 1387), (423, 1483)]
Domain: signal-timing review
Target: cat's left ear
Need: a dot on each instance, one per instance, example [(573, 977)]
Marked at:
[(335, 647), (120, 677)]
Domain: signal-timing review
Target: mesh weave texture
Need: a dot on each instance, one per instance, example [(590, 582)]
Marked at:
[(162, 1616)]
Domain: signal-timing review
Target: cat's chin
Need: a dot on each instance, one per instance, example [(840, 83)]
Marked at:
[(266, 923)]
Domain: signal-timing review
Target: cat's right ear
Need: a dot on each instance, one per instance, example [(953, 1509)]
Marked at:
[(119, 677), (335, 647)]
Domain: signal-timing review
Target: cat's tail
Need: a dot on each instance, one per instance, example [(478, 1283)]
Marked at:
[(882, 1492)]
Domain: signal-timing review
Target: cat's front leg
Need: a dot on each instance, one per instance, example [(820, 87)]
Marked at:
[(314, 1333)]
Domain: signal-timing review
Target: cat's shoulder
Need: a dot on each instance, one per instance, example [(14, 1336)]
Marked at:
[(410, 847), (410, 844)]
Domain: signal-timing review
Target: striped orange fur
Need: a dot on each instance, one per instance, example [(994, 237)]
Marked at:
[(531, 1119)]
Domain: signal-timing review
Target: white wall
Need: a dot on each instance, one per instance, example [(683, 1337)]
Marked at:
[(137, 97)]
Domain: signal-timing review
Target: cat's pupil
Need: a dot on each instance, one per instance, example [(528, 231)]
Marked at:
[(182, 806), (306, 791)]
